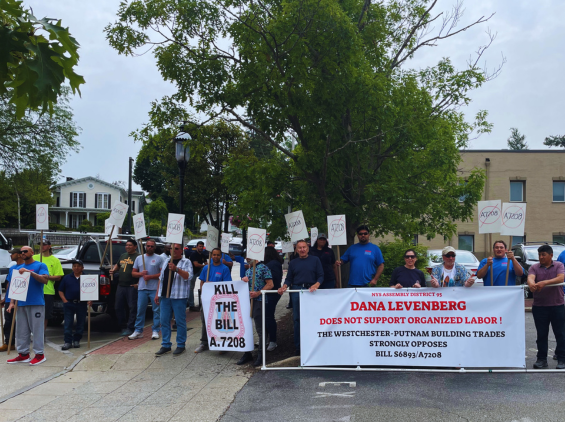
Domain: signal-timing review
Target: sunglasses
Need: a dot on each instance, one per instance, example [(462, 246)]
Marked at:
[(178, 249), (149, 246), (363, 234), (450, 255), (410, 256)]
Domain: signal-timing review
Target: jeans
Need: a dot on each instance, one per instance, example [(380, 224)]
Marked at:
[(328, 284), (126, 296), (72, 309), (295, 299), (270, 322), (554, 315), (168, 308), (191, 291), (144, 297)]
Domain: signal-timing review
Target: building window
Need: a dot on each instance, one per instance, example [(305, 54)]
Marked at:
[(516, 240), (76, 220), (103, 201), (558, 191), (57, 204), (516, 191), (133, 207), (467, 242), (559, 238), (78, 200)]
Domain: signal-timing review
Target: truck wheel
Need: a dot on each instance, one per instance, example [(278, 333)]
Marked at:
[(55, 321)]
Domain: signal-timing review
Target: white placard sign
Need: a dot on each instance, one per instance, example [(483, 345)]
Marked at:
[(139, 226), (108, 229), (212, 238), (228, 322), (296, 226), (225, 245), (175, 228), (449, 327), (513, 219), (88, 287), (256, 240), (490, 213), (287, 247), (313, 236), (337, 235), (42, 217), (19, 285), (118, 214)]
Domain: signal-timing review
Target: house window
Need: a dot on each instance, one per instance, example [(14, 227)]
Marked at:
[(516, 240), (76, 220), (558, 191), (517, 191), (78, 200), (464, 196), (559, 238), (58, 202), (467, 242), (133, 207), (103, 201)]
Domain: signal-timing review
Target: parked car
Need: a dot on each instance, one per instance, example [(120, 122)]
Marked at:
[(67, 253), (236, 246), (466, 258), (5, 260), (191, 245)]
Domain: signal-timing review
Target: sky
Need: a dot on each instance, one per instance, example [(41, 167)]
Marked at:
[(528, 94)]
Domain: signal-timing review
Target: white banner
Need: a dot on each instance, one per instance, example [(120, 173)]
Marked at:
[(88, 287), (139, 226), (313, 236), (287, 247), (212, 238), (19, 285), (118, 214), (175, 228), (41, 217), (490, 213), (256, 240), (453, 327), (296, 226), (108, 229), (513, 219), (225, 242), (337, 234), (226, 310)]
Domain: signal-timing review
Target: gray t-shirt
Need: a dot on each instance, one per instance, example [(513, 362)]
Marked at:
[(153, 266)]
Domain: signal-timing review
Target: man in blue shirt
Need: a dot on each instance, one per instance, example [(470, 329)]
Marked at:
[(502, 258), (218, 272), (31, 312), (243, 265), (16, 257), (367, 263)]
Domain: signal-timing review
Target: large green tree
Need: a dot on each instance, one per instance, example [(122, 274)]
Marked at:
[(354, 130)]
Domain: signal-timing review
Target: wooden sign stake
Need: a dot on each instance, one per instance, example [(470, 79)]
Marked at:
[(13, 325), (111, 259), (252, 287), (106, 248), (339, 269), (88, 325), (507, 265), (41, 248), (142, 253), (2, 322), (170, 272)]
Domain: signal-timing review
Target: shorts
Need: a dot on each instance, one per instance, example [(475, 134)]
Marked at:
[(49, 300)]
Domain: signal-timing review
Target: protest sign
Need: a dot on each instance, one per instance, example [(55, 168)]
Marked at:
[(225, 242), (450, 327), (490, 213), (139, 226), (175, 228), (228, 322), (212, 238), (313, 236), (19, 285), (42, 217), (337, 235), (88, 287), (287, 247), (296, 226), (256, 239), (110, 229), (118, 214), (513, 219)]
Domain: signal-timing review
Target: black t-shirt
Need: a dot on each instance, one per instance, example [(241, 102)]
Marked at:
[(276, 271), (327, 258), (201, 258), (407, 277), (166, 277)]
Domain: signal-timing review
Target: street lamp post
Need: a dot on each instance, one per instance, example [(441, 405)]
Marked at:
[(182, 154)]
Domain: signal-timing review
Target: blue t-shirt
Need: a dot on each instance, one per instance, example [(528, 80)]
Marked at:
[(499, 271), (35, 290), (364, 259), (70, 286), (561, 258), (153, 265), (226, 257), (217, 273), (242, 263)]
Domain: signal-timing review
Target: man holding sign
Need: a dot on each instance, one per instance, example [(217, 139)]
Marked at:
[(55, 274), (31, 312), (502, 259), (126, 294)]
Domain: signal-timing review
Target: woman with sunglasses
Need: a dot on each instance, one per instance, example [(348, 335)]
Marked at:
[(450, 273), (408, 275)]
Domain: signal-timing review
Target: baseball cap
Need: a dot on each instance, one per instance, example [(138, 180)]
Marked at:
[(447, 249), (322, 236), (15, 250), (77, 261), (45, 242)]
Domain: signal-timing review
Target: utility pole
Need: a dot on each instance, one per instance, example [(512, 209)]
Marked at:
[(129, 195)]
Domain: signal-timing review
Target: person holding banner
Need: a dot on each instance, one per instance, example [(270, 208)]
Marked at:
[(450, 273), (55, 274), (31, 312), (181, 270), (69, 290), (273, 262), (126, 294), (502, 258), (367, 262), (326, 256), (16, 257), (148, 272), (408, 275)]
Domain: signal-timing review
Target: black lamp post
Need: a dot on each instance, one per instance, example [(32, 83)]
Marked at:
[(182, 154)]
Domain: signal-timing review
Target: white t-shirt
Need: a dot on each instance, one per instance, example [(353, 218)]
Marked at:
[(447, 273)]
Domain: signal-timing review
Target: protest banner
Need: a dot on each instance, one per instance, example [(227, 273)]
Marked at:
[(296, 226), (489, 216), (227, 316), (140, 233), (337, 236), (88, 292), (118, 214), (287, 247), (19, 285), (313, 236), (256, 240), (449, 327), (225, 242), (175, 233)]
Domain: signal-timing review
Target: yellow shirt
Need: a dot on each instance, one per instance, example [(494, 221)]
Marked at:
[(55, 268)]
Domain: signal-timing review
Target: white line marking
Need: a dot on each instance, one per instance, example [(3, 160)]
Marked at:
[(351, 384), (349, 395)]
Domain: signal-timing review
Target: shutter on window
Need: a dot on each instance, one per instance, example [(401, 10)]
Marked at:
[(84, 200), (95, 200), (109, 201), (71, 200)]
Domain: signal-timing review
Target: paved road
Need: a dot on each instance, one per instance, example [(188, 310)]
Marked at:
[(297, 395)]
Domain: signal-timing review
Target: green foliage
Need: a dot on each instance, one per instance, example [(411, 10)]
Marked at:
[(56, 227), (85, 226), (516, 141), (36, 57), (101, 219), (555, 141), (393, 254), (155, 228)]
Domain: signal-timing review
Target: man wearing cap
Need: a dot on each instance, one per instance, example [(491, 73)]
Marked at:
[(450, 274), (126, 294), (16, 257), (69, 290), (55, 274), (502, 259), (326, 256)]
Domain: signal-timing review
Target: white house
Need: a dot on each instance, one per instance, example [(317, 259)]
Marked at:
[(80, 199)]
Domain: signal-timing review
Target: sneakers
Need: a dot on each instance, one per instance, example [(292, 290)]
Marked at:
[(19, 359), (201, 347), (126, 333), (163, 351), (135, 335), (560, 364), (155, 335), (179, 351), (66, 346), (272, 346), (76, 344), (37, 359), (540, 364)]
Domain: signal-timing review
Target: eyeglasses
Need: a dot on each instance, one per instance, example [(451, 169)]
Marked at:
[(363, 234), (410, 256), (451, 255)]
